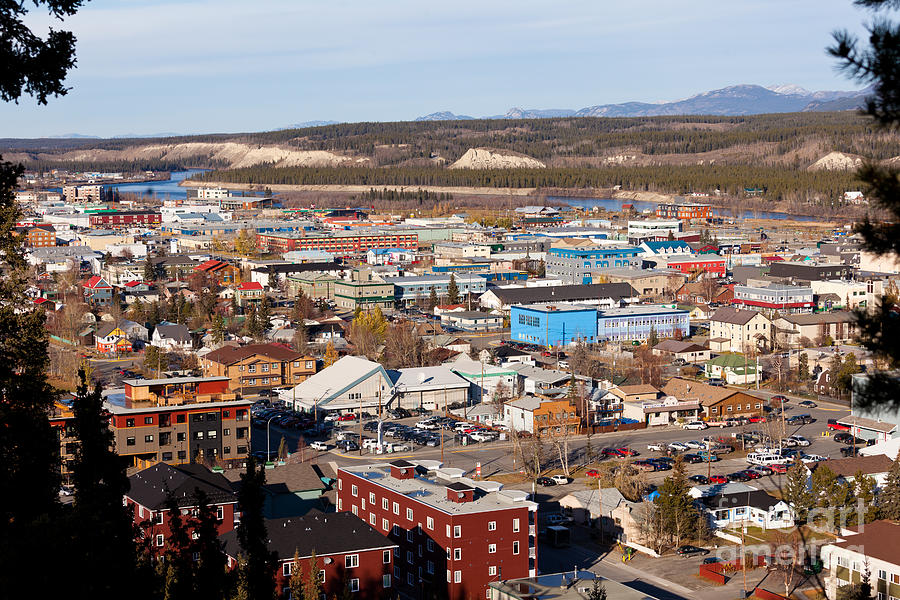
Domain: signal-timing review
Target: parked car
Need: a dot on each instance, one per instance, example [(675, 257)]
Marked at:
[(762, 470), (545, 481), (698, 479), (799, 420), (692, 458), (698, 425), (678, 446), (320, 446), (593, 473), (779, 468), (807, 404), (835, 426), (716, 381), (695, 444), (739, 476), (645, 465), (656, 447), (718, 479), (560, 479), (799, 440), (846, 438), (688, 550)]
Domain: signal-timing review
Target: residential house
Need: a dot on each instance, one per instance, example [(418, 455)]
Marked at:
[(97, 292), (594, 507), (734, 369), (635, 393), (487, 380), (472, 320), (219, 271), (258, 366), (753, 508), (797, 331), (876, 466), (172, 337), (872, 551), (718, 402), (249, 292), (736, 330), (350, 553), (689, 352), (112, 339), (292, 489)]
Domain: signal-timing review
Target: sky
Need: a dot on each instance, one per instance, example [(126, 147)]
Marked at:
[(204, 66)]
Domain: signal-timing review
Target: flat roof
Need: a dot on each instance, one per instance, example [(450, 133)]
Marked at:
[(171, 381), (430, 488)]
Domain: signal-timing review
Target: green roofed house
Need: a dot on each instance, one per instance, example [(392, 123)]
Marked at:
[(487, 379), (734, 369), (363, 289)]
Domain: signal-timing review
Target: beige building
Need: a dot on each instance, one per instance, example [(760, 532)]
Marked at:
[(796, 331), (736, 330), (651, 283), (313, 284)]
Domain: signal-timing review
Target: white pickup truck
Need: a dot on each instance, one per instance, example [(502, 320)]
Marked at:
[(320, 446)]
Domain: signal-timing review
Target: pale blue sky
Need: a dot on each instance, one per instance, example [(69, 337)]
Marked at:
[(225, 65)]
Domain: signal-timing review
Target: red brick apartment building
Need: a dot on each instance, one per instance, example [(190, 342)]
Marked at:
[(125, 218), (149, 492), (451, 531), (340, 245), (348, 553), (178, 421)]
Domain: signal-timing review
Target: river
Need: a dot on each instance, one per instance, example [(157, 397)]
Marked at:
[(615, 204), (162, 190)]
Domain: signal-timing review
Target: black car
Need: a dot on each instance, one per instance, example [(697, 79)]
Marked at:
[(545, 481), (799, 420), (692, 458), (689, 550), (847, 438), (739, 477), (698, 479)]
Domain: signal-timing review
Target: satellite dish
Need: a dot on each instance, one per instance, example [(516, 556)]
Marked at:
[(328, 560)]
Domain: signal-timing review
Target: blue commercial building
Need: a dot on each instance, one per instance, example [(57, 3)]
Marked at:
[(581, 264), (633, 323), (553, 325), (563, 324)]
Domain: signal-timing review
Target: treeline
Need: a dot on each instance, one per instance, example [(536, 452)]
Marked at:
[(419, 195), (779, 182), (398, 142)]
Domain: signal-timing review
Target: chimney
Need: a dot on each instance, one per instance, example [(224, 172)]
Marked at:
[(402, 469), (460, 493)]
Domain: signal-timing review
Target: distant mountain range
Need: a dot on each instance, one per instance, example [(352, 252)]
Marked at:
[(730, 101)]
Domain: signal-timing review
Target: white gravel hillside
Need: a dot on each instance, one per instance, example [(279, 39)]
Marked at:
[(836, 161), (483, 158)]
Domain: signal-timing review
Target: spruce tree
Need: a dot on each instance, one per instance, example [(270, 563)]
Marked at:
[(104, 531), (257, 574), (296, 582), (796, 491), (432, 299), (878, 65), (452, 291), (209, 569), (178, 581), (864, 491), (312, 586), (889, 497)]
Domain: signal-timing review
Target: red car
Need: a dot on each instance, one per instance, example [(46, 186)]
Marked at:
[(752, 474), (347, 417), (626, 451), (593, 473), (779, 468), (718, 479), (757, 419), (612, 452)]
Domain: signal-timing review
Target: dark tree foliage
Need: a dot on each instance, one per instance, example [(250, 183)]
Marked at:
[(258, 561), (103, 529), (177, 567), (209, 573), (32, 65), (878, 64)]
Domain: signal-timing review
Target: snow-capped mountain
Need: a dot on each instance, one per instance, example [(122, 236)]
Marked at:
[(734, 100)]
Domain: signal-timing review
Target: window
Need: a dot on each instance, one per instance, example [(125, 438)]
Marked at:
[(457, 576), (431, 567), (515, 547), (457, 531), (515, 526), (159, 520), (148, 420), (160, 540), (492, 548), (409, 535), (220, 513), (351, 561), (409, 514), (430, 545), (409, 579), (198, 435), (492, 525), (354, 491), (385, 524), (492, 570), (373, 521), (409, 556), (182, 455), (180, 436), (211, 435), (449, 575), (386, 581), (129, 441), (372, 498), (457, 554), (287, 569), (396, 508), (384, 503), (386, 557), (354, 585), (354, 510), (429, 523), (197, 418), (180, 418), (129, 422), (448, 531)]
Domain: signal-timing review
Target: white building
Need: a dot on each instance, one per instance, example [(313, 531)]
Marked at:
[(872, 548), (352, 384)]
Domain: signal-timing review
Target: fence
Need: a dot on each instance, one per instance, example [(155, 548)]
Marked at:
[(767, 595), (619, 427)]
